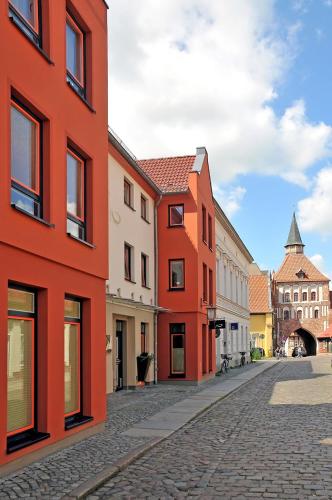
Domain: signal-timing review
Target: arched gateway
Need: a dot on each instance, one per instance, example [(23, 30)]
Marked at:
[(304, 338), (300, 299)]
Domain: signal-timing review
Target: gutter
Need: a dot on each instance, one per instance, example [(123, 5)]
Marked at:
[(156, 281)]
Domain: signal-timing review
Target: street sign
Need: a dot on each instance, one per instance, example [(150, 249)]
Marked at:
[(217, 324), (234, 326)]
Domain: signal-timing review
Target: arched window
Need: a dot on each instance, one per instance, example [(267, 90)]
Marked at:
[(313, 296), (296, 297), (316, 313), (299, 314), (286, 314), (287, 297), (304, 296)]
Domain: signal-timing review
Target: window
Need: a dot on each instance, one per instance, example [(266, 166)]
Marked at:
[(210, 287), (304, 296), (128, 256), (75, 195), (287, 297), (205, 290), (210, 231), (316, 313), (25, 160), (299, 314), (286, 314), (26, 14), (175, 215), (176, 274), (296, 297), (313, 296), (75, 56), (127, 196), (177, 348), (204, 223), (143, 337), (145, 270), (21, 383), (144, 208)]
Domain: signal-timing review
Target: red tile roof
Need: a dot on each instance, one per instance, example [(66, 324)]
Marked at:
[(259, 294), (170, 174), (292, 263)]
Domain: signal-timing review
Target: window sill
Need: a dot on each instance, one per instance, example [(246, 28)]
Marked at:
[(146, 220), (39, 49), (147, 287), (88, 105), (129, 206), (176, 289), (130, 281), (176, 226), (34, 217), (24, 439), (75, 421), (86, 243)]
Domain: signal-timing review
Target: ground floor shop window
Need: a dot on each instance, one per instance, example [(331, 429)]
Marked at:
[(21, 370), (177, 339), (73, 364)]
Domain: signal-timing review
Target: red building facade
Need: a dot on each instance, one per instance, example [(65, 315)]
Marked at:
[(186, 266), (53, 204)]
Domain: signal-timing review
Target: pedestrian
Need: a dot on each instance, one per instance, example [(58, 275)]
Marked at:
[(277, 352)]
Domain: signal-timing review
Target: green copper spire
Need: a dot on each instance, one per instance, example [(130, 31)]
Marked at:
[(294, 243)]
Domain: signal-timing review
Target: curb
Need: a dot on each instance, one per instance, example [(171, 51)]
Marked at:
[(89, 486)]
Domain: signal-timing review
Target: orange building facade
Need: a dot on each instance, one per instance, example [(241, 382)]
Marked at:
[(53, 241), (186, 266)]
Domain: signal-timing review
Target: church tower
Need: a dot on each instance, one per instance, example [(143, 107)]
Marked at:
[(300, 299)]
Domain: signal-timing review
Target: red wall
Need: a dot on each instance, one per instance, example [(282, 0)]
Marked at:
[(43, 257), (186, 306)]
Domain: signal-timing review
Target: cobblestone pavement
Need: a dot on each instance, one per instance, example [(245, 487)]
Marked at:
[(270, 439), (59, 473)]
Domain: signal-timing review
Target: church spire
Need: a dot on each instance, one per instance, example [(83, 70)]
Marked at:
[(294, 243)]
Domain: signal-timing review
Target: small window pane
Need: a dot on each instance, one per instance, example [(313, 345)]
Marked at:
[(72, 309), (144, 212), (24, 149), (20, 300), (75, 229), (19, 374), (176, 215), (177, 276), (177, 328), (127, 193), (72, 368), (75, 186), (127, 261), (27, 8), (74, 50), (177, 354), (25, 202)]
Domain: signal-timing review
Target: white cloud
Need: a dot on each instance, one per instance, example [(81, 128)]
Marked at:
[(187, 73), (319, 261), (315, 211), (230, 199)]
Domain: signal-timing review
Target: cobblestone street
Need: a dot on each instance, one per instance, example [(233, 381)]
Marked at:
[(270, 439)]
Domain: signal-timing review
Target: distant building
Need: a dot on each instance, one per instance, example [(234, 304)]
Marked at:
[(232, 277), (300, 299), (261, 311)]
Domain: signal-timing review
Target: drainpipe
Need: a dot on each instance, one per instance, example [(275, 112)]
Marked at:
[(155, 336)]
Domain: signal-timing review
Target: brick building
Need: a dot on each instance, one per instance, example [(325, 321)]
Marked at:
[(300, 299)]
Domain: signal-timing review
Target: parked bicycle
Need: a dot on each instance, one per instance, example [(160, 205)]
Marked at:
[(225, 363), (243, 358)]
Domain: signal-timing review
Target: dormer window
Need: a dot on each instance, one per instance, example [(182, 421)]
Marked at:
[(301, 274)]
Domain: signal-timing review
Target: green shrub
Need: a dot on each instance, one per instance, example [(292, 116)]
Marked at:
[(255, 354)]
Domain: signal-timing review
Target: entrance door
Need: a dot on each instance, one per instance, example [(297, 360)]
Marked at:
[(119, 355)]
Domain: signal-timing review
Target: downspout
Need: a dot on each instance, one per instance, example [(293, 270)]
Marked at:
[(155, 319)]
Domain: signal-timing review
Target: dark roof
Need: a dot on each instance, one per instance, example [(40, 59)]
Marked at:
[(294, 237)]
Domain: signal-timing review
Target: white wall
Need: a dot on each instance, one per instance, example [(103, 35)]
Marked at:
[(127, 225)]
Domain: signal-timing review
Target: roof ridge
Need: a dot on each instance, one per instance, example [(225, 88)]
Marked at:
[(167, 158)]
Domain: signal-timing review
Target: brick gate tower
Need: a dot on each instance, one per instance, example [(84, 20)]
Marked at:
[(300, 299)]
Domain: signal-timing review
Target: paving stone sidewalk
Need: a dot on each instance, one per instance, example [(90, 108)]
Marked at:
[(58, 474)]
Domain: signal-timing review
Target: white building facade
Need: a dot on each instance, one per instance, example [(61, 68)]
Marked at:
[(232, 297), (130, 290)]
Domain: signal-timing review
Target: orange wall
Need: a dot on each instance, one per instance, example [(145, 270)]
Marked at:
[(186, 306), (34, 254)]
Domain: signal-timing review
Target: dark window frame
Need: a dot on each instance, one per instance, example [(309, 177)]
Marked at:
[(205, 282), (33, 195), (313, 296), (34, 33), (81, 222), (211, 287), (304, 296), (210, 232), (143, 336), (128, 203), (78, 85), (204, 235), (128, 247), (296, 297), (169, 215), (180, 288), (145, 268), (144, 211), (178, 334)]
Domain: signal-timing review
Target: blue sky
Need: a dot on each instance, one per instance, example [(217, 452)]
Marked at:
[(249, 79)]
